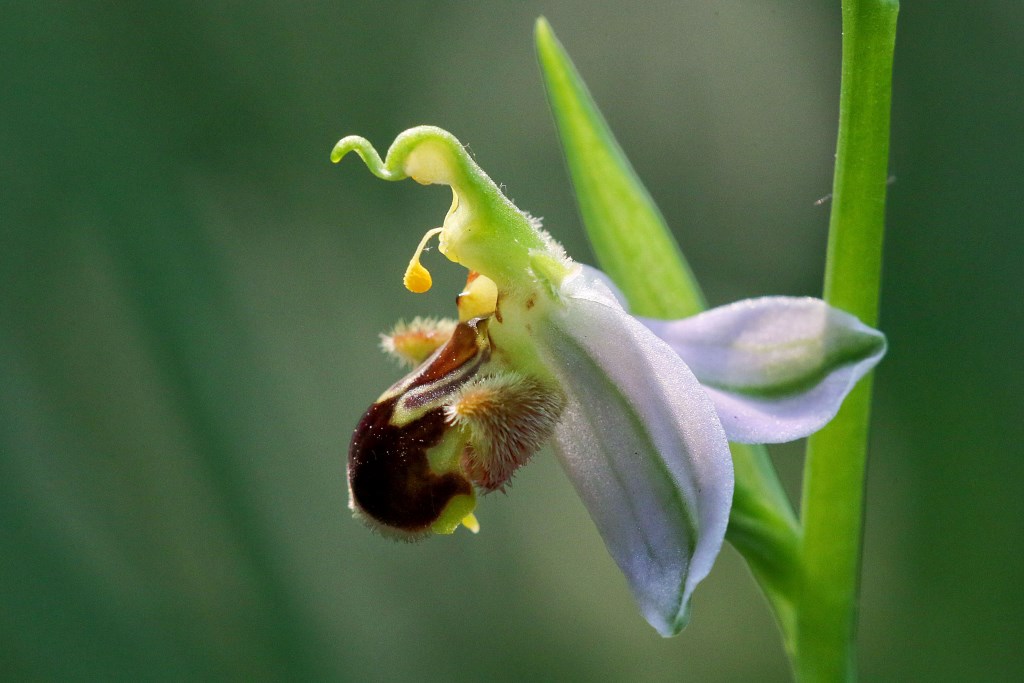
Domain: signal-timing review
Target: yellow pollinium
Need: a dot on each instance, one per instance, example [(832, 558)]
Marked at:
[(417, 278)]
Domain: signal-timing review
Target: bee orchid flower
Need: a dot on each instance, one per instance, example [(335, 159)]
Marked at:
[(544, 351)]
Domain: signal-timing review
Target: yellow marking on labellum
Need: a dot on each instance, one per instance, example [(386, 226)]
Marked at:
[(417, 278)]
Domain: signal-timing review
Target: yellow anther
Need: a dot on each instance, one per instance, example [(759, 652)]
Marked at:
[(471, 523), (417, 278), (478, 299)]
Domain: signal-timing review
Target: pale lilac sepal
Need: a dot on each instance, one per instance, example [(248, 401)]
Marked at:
[(777, 368), (642, 444)]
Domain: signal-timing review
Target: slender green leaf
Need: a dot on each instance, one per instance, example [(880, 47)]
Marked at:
[(623, 223)]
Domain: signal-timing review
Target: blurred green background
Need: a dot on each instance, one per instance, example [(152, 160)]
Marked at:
[(190, 295)]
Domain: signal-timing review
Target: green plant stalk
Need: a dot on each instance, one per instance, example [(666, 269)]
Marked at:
[(633, 244), (833, 489), (764, 530)]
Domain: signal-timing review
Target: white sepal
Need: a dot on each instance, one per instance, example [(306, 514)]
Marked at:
[(777, 368), (643, 446)]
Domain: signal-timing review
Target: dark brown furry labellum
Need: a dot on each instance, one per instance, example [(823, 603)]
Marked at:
[(392, 485), (389, 473)]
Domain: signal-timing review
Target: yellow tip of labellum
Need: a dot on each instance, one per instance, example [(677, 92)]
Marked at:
[(417, 278), (471, 523)]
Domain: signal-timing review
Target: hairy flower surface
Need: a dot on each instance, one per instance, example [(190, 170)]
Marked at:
[(545, 352)]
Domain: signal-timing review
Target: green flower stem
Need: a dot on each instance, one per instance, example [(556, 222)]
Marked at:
[(635, 247), (836, 456)]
